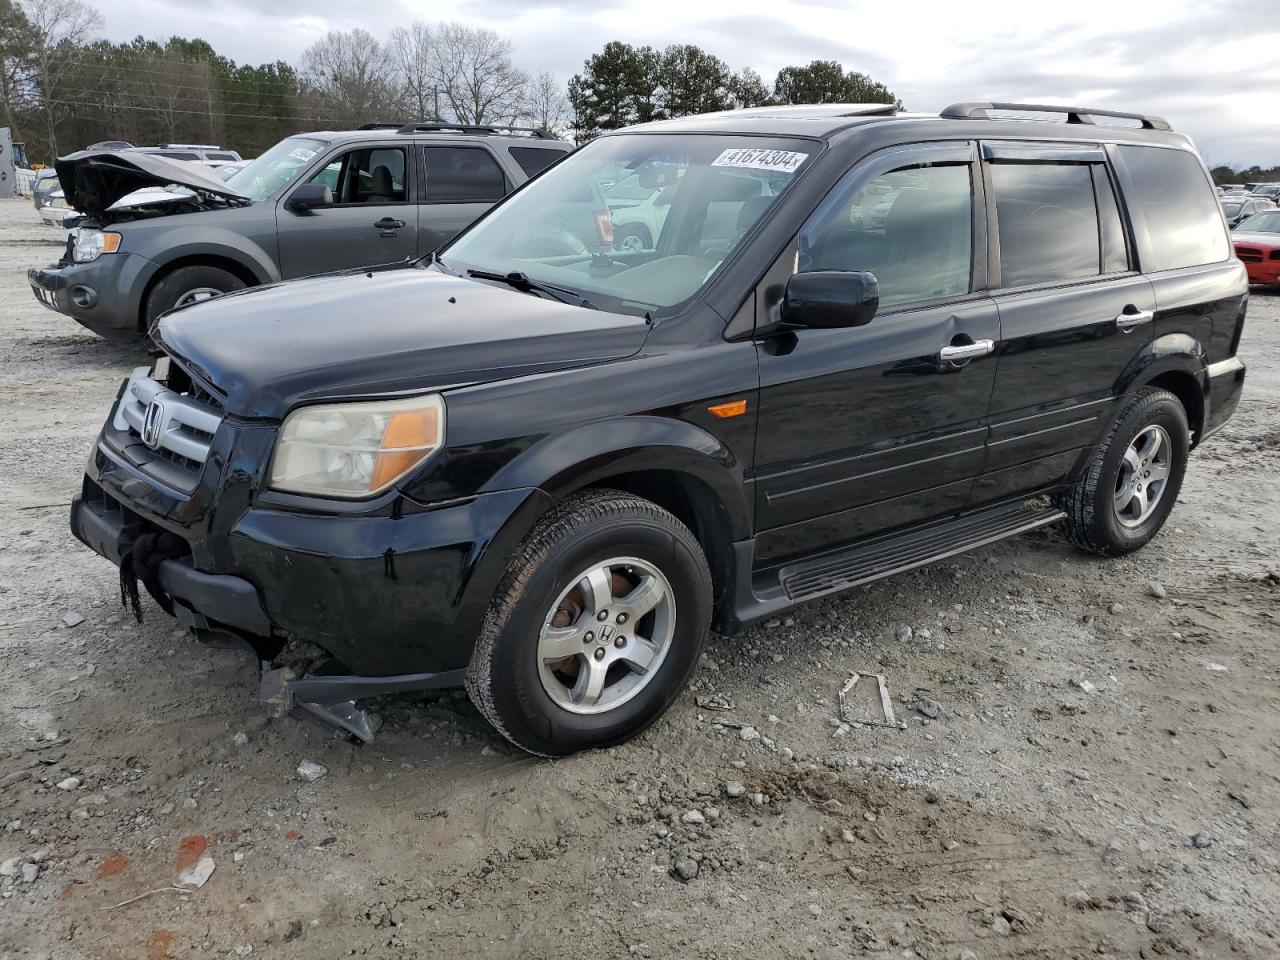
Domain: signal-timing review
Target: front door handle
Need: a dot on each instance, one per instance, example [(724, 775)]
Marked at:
[(1132, 318), (966, 351), (388, 223)]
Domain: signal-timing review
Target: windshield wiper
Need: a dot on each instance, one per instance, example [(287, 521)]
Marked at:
[(521, 281)]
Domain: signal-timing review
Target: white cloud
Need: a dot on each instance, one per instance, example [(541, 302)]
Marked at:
[(1210, 67)]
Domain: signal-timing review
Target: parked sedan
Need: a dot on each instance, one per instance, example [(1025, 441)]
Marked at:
[(1239, 209), (1257, 243)]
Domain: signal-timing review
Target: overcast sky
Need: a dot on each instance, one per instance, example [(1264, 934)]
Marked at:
[(1212, 67)]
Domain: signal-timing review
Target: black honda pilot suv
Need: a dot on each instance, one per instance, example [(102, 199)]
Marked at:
[(544, 465)]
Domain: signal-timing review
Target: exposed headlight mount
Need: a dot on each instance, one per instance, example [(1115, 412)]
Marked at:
[(355, 450)]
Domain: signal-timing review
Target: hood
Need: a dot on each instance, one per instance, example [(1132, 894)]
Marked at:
[(1265, 239), (95, 179), (399, 330)]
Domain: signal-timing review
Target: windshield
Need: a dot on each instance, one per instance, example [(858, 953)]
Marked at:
[(275, 168), (1231, 208), (1268, 222), (638, 223)]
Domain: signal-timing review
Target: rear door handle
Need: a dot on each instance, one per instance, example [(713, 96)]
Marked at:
[(1133, 318), (387, 223), (966, 351)]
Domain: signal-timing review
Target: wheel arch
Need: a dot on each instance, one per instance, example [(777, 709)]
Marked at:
[(234, 267), (673, 463), (1174, 362)]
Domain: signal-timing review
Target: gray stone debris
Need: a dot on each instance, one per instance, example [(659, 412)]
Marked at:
[(11, 867), (311, 772), (904, 633), (928, 708), (72, 618), (1202, 840), (29, 872), (1157, 590), (693, 816), (240, 739), (734, 788), (71, 783), (686, 869), (1116, 608), (749, 733)]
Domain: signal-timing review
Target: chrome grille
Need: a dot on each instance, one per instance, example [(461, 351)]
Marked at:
[(175, 425)]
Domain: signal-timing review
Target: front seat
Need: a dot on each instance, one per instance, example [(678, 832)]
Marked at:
[(382, 188)]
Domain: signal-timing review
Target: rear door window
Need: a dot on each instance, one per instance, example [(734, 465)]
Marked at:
[(1171, 192), (463, 175), (1048, 222)]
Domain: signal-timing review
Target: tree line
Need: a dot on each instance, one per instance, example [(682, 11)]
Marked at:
[(1254, 174), (63, 86)]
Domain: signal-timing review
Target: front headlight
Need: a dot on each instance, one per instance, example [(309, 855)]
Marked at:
[(353, 450), (91, 244)]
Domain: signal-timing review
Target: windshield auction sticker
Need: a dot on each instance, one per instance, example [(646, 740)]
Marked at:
[(754, 158)]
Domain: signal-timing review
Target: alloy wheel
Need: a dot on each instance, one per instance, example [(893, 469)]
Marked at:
[(607, 634), (1144, 476)]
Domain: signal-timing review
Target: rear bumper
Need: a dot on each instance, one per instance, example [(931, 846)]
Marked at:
[(1225, 384), (104, 295)]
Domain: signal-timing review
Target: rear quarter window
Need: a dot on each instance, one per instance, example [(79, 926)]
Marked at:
[(1170, 190), (533, 160)]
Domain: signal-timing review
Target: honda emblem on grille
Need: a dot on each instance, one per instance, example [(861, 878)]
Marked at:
[(153, 424)]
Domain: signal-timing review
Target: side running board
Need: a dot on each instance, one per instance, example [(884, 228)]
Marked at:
[(887, 555)]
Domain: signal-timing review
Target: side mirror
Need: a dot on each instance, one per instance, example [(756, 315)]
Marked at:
[(310, 195), (825, 299)]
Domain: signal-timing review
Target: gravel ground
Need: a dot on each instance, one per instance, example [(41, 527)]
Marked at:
[(1090, 763)]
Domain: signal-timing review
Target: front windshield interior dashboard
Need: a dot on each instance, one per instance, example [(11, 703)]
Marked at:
[(636, 224)]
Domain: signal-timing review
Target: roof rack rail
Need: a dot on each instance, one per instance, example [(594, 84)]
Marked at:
[(482, 129), (980, 111), (380, 125)]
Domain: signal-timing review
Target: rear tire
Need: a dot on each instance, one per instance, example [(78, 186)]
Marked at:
[(1129, 488), (186, 285), (543, 608)]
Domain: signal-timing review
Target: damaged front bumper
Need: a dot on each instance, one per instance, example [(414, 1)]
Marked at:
[(393, 591)]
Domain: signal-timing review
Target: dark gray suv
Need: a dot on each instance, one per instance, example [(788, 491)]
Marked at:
[(158, 234)]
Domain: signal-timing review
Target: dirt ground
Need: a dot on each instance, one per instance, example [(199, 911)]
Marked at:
[(1101, 776)]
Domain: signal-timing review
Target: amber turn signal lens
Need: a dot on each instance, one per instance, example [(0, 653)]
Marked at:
[(110, 242), (407, 435), (734, 408)]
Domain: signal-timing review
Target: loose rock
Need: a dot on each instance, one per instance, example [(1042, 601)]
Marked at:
[(311, 772), (686, 869)]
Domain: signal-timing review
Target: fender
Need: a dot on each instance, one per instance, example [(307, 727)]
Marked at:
[(1176, 356), (1170, 353), (181, 242), (569, 461)]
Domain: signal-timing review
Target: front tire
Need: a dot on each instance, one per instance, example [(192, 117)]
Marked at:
[(1129, 489), (595, 628), (187, 285)]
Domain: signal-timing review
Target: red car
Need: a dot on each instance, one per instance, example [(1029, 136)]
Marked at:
[(1257, 243)]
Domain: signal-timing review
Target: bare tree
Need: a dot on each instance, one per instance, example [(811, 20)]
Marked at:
[(413, 51), (61, 28), (545, 104), (353, 75), (175, 88), (476, 75)]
